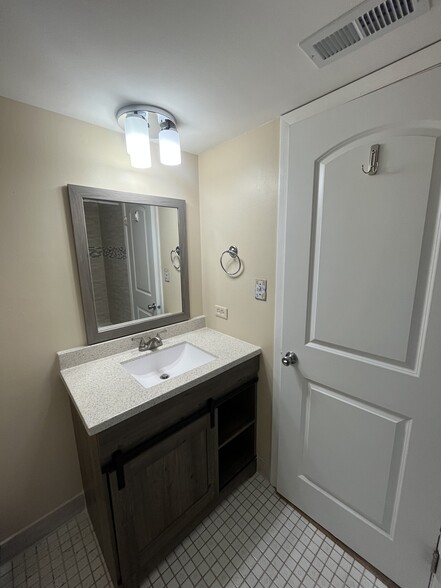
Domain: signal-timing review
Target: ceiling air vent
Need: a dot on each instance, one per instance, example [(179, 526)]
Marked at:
[(365, 22)]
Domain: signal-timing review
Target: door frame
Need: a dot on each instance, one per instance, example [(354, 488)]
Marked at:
[(416, 63)]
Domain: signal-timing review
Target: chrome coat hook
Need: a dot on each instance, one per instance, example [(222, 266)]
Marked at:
[(373, 161)]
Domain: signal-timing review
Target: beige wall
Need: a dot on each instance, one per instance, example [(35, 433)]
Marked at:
[(40, 311), (238, 183)]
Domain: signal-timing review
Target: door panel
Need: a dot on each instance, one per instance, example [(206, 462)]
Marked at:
[(332, 419), (382, 217), (359, 414), (144, 258)]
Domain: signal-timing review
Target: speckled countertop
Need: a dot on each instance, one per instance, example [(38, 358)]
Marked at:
[(104, 393)]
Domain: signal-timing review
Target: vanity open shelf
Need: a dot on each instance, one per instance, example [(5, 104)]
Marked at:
[(235, 456), (236, 432), (152, 478)]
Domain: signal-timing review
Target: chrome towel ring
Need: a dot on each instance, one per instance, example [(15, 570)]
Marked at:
[(175, 258), (233, 252)]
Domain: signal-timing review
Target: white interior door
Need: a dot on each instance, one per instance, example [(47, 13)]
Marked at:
[(359, 434), (144, 260)]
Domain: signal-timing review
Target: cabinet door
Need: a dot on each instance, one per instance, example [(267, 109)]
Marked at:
[(165, 489)]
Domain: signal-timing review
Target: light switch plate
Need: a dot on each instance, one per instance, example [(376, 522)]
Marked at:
[(260, 290), (166, 275)]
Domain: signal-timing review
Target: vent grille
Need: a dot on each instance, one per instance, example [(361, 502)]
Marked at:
[(368, 20), (384, 15), (341, 39)]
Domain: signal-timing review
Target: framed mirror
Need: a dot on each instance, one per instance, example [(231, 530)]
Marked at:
[(132, 261)]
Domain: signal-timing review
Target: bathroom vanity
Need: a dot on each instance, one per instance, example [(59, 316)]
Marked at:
[(156, 460)]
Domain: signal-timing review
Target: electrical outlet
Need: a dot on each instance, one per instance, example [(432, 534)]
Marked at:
[(260, 290), (166, 275), (221, 312)]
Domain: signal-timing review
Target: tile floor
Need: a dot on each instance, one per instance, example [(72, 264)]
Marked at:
[(68, 557), (252, 539)]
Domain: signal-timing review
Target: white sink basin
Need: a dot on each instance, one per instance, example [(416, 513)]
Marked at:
[(162, 364)]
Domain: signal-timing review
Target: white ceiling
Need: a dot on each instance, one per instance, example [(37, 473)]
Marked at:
[(221, 67)]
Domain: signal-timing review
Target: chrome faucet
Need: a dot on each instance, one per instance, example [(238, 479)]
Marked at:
[(151, 343)]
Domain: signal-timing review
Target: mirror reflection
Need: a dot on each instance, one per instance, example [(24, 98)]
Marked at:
[(134, 260)]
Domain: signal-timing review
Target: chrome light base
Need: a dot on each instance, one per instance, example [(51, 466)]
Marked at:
[(143, 110)]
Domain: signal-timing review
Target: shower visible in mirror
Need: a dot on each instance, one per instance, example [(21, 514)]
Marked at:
[(123, 244)]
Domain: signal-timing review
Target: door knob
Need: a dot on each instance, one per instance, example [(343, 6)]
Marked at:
[(290, 358)]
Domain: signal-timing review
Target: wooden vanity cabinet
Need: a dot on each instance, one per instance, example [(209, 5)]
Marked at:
[(149, 480)]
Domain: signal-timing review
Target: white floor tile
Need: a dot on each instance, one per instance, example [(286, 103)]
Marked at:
[(253, 539)]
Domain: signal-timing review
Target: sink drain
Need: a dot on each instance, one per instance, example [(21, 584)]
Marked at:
[(164, 376)]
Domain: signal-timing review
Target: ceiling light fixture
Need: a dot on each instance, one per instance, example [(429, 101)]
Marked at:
[(134, 119)]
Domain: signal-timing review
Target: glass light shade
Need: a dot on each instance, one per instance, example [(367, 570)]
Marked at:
[(137, 141), (139, 160), (169, 147)]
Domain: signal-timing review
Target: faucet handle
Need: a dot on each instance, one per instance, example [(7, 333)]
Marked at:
[(142, 342), (158, 334)]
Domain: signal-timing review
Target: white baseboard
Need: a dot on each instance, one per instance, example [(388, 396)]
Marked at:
[(20, 541)]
